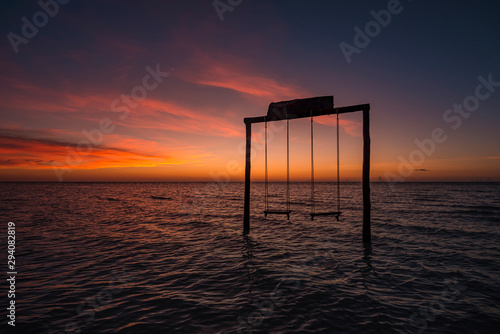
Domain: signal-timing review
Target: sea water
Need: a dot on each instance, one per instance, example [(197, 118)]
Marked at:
[(171, 258)]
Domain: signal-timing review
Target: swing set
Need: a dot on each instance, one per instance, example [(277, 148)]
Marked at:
[(311, 107), (287, 212)]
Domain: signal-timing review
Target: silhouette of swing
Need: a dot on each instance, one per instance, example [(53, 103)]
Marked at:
[(313, 203), (287, 211), (303, 108), (268, 211)]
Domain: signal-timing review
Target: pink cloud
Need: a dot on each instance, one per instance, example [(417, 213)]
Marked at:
[(239, 76), (20, 150), (156, 114), (219, 75), (352, 128)]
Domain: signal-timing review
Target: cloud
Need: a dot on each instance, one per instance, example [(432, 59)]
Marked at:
[(20, 150), (421, 170), (168, 116), (149, 114), (225, 77), (352, 128), (236, 75)]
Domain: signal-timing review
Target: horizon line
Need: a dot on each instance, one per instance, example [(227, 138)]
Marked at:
[(376, 181)]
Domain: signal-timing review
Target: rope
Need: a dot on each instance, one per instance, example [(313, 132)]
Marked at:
[(338, 164), (287, 164), (313, 204), (266, 191)]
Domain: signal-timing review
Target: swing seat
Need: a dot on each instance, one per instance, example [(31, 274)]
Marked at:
[(326, 213), (277, 212)]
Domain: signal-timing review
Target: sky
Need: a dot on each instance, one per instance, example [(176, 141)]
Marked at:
[(158, 90)]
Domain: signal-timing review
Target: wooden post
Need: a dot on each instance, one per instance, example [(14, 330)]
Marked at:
[(367, 238), (246, 207)]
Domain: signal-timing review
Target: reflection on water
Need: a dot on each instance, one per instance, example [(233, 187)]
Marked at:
[(171, 258)]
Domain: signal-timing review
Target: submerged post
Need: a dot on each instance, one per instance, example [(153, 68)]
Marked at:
[(246, 206), (367, 238)]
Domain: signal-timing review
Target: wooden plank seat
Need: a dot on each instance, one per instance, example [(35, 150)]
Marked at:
[(326, 213)]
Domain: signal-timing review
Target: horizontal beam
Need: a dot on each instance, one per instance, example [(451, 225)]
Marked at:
[(313, 113)]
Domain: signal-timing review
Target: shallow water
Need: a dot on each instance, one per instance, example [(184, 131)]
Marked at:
[(171, 258)]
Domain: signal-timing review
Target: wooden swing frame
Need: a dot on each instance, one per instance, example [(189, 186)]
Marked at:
[(311, 107)]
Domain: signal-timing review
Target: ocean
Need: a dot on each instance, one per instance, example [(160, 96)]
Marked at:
[(171, 258)]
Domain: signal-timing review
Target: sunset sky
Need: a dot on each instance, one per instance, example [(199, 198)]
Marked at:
[(157, 90)]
